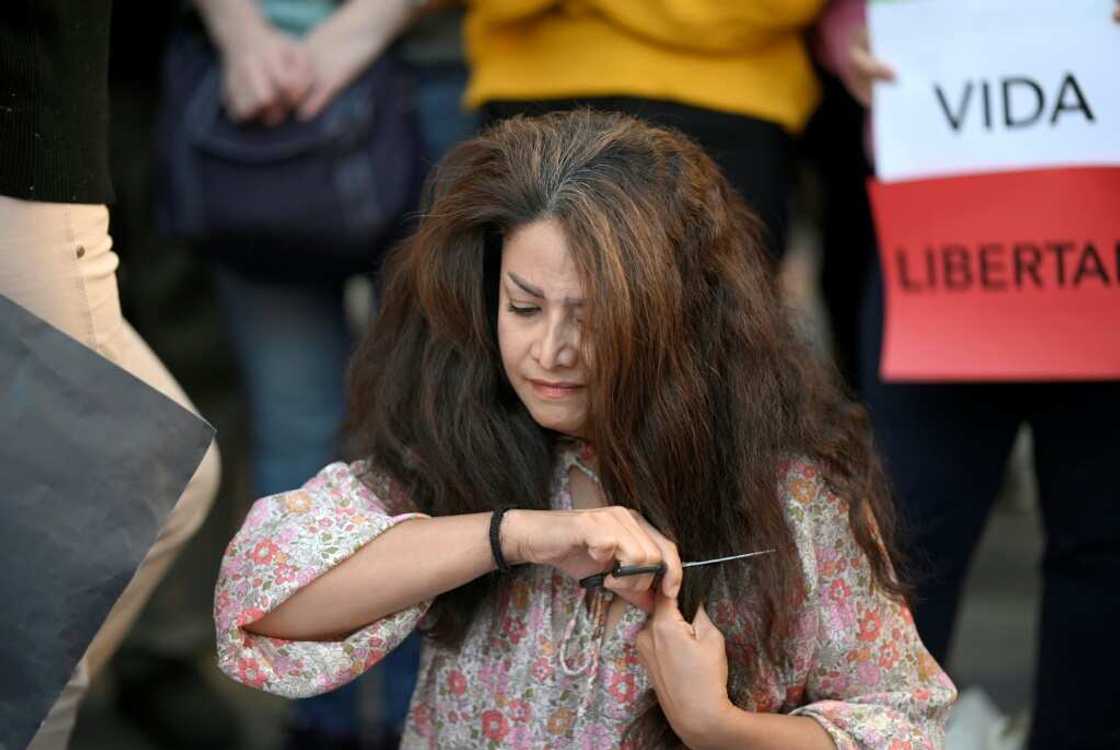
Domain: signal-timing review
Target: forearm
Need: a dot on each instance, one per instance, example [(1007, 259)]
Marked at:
[(412, 562), (746, 730), (228, 20), (362, 29)]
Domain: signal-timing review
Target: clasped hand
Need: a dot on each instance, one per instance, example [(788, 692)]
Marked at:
[(268, 76), (686, 662)]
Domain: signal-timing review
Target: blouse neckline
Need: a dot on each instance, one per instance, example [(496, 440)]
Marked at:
[(598, 643)]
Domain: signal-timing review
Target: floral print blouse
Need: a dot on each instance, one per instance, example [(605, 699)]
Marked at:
[(537, 668)]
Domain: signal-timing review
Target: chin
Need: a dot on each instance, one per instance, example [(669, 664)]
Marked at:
[(567, 426)]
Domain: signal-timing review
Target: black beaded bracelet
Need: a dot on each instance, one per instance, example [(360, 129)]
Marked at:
[(496, 541)]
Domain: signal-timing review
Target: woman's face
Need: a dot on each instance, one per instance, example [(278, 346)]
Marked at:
[(540, 322)]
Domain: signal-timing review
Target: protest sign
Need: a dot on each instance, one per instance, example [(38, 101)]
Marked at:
[(1003, 276), (997, 202), (985, 85)]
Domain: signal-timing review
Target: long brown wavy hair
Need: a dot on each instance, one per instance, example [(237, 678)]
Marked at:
[(700, 388)]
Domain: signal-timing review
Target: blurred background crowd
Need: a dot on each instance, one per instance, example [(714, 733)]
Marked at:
[(258, 333)]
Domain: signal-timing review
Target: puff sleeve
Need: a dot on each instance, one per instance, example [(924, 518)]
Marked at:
[(870, 682), (287, 541)]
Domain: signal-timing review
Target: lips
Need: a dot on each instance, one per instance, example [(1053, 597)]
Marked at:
[(555, 391)]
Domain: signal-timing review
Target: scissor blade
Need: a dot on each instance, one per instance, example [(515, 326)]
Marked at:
[(697, 563)]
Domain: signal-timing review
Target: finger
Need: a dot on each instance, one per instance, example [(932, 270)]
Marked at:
[(275, 63), (260, 93), (703, 624), (614, 546), (667, 609), (295, 78), (667, 621), (863, 61), (866, 64), (601, 547), (633, 522), (231, 103), (631, 551), (298, 75), (634, 584), (650, 550), (314, 103), (273, 114), (295, 90), (238, 96), (670, 558)]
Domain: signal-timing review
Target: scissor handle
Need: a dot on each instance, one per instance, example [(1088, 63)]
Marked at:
[(620, 571)]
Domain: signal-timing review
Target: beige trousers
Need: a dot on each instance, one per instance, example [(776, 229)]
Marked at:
[(56, 260)]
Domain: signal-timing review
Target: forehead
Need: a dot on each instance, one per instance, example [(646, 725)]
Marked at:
[(538, 253)]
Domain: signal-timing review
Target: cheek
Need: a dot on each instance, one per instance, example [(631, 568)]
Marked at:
[(509, 345)]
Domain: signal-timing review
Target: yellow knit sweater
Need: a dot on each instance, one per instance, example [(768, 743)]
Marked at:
[(741, 56)]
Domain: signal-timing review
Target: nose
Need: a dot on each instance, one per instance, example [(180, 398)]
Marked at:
[(558, 345)]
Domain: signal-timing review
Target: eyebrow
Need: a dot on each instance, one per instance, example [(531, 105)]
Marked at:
[(538, 293)]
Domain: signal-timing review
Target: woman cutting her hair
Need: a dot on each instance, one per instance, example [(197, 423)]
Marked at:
[(581, 366)]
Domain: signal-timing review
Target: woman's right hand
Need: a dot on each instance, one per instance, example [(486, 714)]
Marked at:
[(585, 542), (265, 75)]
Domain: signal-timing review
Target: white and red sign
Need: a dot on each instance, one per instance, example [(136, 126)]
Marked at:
[(997, 202)]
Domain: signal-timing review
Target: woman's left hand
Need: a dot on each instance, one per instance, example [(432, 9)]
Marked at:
[(688, 667)]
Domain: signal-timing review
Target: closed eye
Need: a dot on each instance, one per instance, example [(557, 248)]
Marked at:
[(524, 311)]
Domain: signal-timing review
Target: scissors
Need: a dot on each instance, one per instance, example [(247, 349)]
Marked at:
[(619, 570)]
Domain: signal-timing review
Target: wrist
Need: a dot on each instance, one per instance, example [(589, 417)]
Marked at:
[(232, 25), (359, 31), (509, 536), (721, 729)]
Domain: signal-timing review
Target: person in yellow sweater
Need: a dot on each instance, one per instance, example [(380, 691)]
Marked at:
[(734, 75)]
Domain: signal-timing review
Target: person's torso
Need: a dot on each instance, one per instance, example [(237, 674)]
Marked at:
[(738, 56), (539, 668)]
